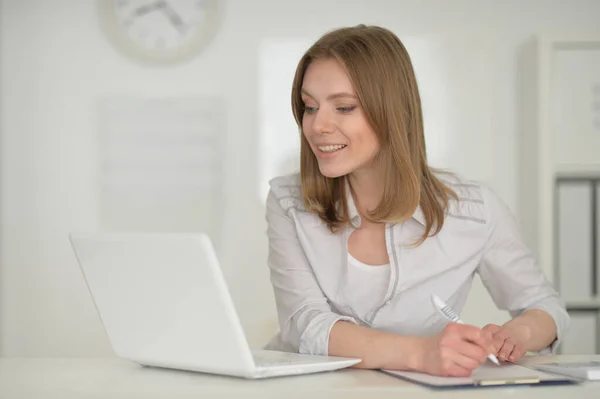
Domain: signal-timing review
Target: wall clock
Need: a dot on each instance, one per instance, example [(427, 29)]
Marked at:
[(160, 31)]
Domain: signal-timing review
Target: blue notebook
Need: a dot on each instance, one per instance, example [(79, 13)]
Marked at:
[(487, 375)]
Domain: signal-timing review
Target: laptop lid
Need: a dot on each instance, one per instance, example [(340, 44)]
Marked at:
[(163, 300)]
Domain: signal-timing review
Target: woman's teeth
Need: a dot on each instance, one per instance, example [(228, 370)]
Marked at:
[(330, 148)]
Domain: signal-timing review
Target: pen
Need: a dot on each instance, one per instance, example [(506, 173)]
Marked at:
[(451, 315)]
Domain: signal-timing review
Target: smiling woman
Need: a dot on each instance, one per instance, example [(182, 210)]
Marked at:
[(339, 93), (333, 123), (361, 238)]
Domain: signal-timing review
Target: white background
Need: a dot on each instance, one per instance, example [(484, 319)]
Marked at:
[(56, 65)]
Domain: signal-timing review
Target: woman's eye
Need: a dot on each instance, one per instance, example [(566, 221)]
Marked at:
[(346, 110), (310, 110)]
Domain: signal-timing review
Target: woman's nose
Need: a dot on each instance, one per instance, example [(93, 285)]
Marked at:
[(323, 121)]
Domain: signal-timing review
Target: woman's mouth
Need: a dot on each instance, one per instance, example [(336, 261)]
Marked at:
[(331, 148)]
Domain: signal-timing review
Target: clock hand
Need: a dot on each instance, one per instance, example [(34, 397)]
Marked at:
[(148, 8), (143, 10), (173, 17)]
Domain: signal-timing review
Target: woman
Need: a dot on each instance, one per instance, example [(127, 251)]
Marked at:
[(362, 237)]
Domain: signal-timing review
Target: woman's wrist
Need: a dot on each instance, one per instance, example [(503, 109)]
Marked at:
[(414, 349)]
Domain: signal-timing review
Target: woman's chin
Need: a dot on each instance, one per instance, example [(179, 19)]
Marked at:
[(332, 172)]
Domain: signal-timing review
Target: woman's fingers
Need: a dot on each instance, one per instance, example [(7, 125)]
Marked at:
[(506, 350), (455, 364), (472, 334), (472, 351), (516, 354), (497, 340)]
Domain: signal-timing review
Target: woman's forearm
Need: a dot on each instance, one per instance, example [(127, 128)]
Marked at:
[(377, 349), (535, 327)]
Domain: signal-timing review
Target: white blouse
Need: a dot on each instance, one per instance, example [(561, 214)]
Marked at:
[(314, 288)]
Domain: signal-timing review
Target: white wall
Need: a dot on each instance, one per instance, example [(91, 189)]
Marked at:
[(54, 66)]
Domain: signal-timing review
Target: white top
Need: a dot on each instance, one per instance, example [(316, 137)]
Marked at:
[(368, 284), (313, 289)]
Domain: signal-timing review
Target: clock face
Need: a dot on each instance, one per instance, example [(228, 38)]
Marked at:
[(161, 30)]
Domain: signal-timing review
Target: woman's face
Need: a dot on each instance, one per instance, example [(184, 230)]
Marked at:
[(334, 123)]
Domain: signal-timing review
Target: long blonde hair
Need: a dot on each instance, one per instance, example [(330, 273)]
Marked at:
[(384, 80)]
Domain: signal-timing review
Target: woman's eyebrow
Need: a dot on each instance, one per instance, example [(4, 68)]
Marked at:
[(331, 96)]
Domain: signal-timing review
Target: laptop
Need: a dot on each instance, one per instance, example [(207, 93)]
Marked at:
[(163, 301)]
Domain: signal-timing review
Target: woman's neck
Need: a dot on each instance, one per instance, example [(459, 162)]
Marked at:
[(367, 189)]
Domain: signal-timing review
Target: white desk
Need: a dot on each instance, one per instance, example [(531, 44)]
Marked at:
[(114, 378)]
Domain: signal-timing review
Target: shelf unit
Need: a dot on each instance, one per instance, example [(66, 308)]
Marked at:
[(558, 151)]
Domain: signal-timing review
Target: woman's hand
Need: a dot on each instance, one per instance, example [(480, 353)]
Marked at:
[(456, 351), (509, 345)]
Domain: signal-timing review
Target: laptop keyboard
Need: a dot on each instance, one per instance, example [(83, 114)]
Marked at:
[(274, 358)]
